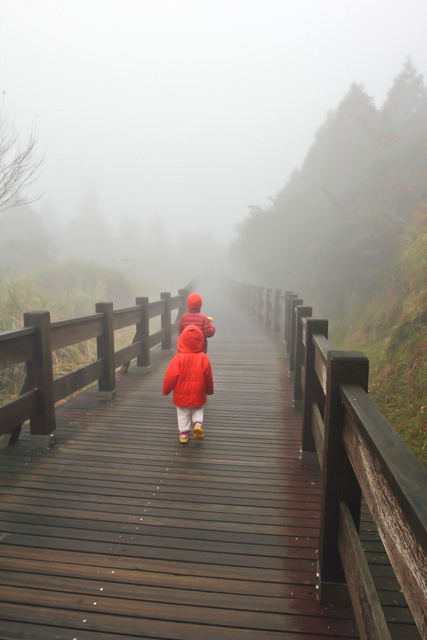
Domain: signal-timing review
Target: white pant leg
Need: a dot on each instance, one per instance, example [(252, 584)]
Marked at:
[(184, 418), (197, 414)]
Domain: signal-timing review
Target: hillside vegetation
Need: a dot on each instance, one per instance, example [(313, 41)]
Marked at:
[(390, 327), (67, 290), (348, 234)]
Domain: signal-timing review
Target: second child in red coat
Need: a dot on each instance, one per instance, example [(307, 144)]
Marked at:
[(189, 374), (195, 316)]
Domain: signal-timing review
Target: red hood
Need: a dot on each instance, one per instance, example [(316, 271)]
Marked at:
[(190, 340), (194, 301)]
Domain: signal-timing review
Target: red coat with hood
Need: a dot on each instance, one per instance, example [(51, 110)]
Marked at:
[(195, 316), (189, 373)]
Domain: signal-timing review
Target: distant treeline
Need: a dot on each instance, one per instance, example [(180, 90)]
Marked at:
[(342, 218), (86, 251)]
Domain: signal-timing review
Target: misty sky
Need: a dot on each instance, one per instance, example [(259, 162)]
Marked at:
[(190, 109)]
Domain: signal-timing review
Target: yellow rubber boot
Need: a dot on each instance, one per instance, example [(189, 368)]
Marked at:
[(198, 431)]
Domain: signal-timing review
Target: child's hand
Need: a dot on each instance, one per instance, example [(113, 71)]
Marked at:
[(210, 319)]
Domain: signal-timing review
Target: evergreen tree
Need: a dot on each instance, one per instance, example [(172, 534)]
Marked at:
[(25, 244), (405, 109), (87, 236), (340, 219), (404, 129)]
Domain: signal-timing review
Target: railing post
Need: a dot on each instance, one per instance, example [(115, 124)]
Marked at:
[(184, 293), (40, 377), (261, 292), (268, 309), (247, 304), (166, 321), (338, 479), (105, 349), (312, 386), (143, 333), (277, 311), (288, 315), (248, 298), (247, 293), (294, 303), (301, 312), (284, 310), (254, 300)]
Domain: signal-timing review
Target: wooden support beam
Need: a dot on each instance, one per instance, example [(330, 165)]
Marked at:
[(105, 349), (338, 481), (40, 377)]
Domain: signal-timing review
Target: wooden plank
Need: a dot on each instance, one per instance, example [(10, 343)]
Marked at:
[(370, 618), (64, 333), (175, 327), (150, 621), (16, 346), (126, 317), (156, 309), (189, 596), (17, 411), (311, 385), (176, 302), (156, 338), (127, 354), (172, 576), (129, 570), (320, 359), (72, 382), (68, 494), (318, 429), (394, 484)]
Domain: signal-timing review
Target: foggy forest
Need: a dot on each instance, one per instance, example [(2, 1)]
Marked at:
[(340, 221), (358, 193)]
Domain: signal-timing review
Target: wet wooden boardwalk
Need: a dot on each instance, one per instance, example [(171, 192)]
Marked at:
[(121, 532)]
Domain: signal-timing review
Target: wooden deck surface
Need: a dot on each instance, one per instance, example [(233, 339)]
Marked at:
[(121, 532)]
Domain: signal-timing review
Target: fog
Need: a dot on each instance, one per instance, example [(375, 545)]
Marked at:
[(188, 111)]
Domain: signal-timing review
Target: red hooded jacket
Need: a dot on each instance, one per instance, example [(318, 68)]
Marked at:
[(189, 373), (195, 316)]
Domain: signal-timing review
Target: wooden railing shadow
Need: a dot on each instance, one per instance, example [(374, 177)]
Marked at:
[(359, 454), (35, 344)]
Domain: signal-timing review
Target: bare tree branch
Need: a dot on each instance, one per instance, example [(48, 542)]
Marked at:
[(18, 166)]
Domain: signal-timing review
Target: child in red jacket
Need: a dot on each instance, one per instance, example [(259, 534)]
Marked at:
[(195, 316), (189, 374)]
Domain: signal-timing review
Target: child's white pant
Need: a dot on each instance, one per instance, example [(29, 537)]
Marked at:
[(186, 415)]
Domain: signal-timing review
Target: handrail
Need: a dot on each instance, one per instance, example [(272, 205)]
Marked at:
[(394, 489), (359, 454), (16, 346), (35, 345), (64, 333)]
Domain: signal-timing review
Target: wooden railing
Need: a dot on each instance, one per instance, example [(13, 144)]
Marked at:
[(359, 454), (36, 343)]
